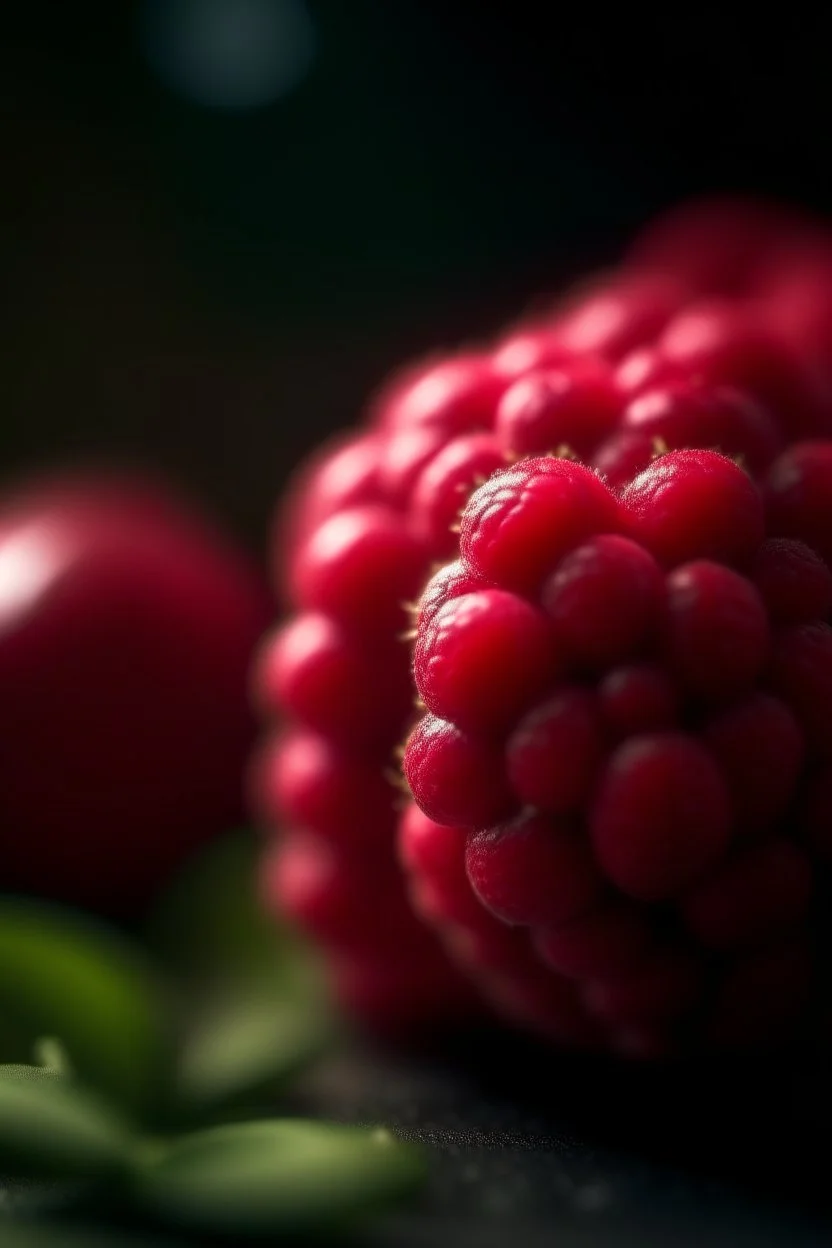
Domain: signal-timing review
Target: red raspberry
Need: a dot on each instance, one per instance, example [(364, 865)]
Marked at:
[(793, 581), (456, 395), (446, 484), (577, 628), (689, 413), (693, 505), (801, 674), (450, 581), (315, 886), (321, 675), (751, 897), (533, 871), (603, 600), (637, 698), (344, 473), (716, 633), (456, 778), (758, 745), (797, 495), (610, 941), (624, 456), (309, 780), (554, 753), (360, 566), (619, 315), (660, 816), (493, 653), (714, 244), (618, 795), (574, 405), (403, 458), (528, 348), (728, 344), (517, 525)]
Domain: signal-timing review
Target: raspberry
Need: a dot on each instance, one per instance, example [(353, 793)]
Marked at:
[(456, 395), (529, 348), (307, 779), (517, 525), (793, 581), (689, 413), (532, 871), (729, 345), (624, 456), (637, 698), (403, 459), (344, 473), (619, 316), (555, 751), (758, 745), (797, 492), (714, 244), (359, 567), (456, 778), (750, 897), (446, 483), (625, 686), (316, 885), (314, 670), (716, 633), (450, 581), (610, 941), (482, 657), (694, 504), (801, 673), (575, 405), (660, 816), (603, 600)]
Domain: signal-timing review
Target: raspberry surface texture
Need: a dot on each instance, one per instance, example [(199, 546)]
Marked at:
[(626, 809), (583, 569)]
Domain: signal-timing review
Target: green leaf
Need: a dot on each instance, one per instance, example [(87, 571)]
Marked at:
[(50, 1127), (244, 1048), (49, 1053), (275, 1176), (64, 975), (25, 1074), (31, 1234), (209, 926)]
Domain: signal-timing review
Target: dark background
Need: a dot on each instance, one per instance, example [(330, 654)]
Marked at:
[(208, 289)]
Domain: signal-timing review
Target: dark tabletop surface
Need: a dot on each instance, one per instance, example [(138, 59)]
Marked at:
[(548, 1149)]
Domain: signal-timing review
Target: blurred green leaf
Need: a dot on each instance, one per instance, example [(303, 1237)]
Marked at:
[(61, 975), (50, 1127), (31, 1234), (18, 1072), (51, 1055), (244, 1048), (209, 926), (275, 1176)]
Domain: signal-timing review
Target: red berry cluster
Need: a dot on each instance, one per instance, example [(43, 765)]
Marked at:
[(630, 701), (608, 595)]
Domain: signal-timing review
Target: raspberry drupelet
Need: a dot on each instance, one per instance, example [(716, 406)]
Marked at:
[(621, 717), (615, 612)]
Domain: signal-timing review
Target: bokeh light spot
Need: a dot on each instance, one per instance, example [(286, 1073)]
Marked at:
[(228, 54)]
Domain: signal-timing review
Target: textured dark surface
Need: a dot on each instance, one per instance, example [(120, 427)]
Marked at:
[(554, 1150)]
